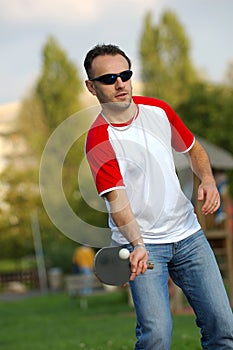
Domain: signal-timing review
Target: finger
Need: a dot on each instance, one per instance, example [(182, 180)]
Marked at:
[(211, 206), (134, 264), (144, 267), (211, 196), (138, 261), (208, 205), (200, 194), (215, 206), (132, 276), (139, 269), (134, 268)]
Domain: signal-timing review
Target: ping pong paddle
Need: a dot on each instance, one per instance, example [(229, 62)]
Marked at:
[(110, 268)]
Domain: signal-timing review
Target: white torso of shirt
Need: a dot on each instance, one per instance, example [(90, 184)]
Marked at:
[(145, 159)]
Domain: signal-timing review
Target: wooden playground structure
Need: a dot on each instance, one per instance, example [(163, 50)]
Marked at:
[(218, 232)]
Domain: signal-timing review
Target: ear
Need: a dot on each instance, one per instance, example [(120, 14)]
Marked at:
[(90, 86)]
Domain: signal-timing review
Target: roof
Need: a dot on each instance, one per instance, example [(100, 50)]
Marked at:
[(219, 158)]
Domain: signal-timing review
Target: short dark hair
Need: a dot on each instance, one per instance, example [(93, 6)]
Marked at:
[(102, 50)]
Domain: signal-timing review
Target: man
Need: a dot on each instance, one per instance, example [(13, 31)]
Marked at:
[(129, 149)]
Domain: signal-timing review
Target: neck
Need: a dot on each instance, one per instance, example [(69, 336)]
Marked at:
[(119, 114)]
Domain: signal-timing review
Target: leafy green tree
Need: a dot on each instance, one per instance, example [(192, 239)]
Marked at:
[(15, 229), (208, 113), (59, 85), (228, 76), (32, 124), (167, 71), (54, 98)]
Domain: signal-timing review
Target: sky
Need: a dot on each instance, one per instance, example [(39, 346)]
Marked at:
[(78, 25)]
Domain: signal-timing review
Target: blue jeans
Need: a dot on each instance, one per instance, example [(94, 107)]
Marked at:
[(192, 266)]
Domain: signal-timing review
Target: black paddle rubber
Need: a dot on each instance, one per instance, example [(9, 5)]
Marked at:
[(110, 268)]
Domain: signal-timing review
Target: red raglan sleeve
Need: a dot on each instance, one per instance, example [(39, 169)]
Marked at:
[(102, 159), (182, 138)]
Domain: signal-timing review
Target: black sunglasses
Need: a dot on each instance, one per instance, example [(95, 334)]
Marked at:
[(109, 79)]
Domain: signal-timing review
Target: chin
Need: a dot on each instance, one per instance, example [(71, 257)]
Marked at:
[(118, 105), (122, 105)]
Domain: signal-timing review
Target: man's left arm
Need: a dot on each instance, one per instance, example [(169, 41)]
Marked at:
[(207, 189)]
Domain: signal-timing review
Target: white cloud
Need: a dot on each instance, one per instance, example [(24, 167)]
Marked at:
[(63, 10), (71, 10), (24, 25)]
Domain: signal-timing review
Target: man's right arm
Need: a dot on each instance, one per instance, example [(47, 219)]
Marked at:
[(126, 222)]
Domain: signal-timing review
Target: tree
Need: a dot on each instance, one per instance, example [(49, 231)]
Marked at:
[(59, 85), (167, 71), (32, 124), (168, 74), (228, 76), (54, 98), (15, 229), (208, 113)]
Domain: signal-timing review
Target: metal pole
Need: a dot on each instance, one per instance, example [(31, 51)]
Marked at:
[(39, 253)]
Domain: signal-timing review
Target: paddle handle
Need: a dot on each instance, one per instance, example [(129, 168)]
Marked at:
[(150, 265)]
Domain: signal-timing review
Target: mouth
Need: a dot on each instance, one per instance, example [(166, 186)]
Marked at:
[(121, 95)]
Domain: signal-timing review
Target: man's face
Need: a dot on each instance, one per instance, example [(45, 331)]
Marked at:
[(117, 95)]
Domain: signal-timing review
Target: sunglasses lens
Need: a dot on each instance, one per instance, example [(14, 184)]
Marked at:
[(126, 75), (109, 79)]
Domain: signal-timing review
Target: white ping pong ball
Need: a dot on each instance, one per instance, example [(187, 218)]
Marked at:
[(124, 253)]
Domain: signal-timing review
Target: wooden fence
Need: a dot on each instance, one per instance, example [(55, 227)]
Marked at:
[(29, 278)]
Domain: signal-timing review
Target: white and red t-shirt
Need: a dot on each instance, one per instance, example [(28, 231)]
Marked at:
[(138, 157)]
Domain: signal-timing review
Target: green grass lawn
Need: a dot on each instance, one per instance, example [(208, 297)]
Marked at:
[(55, 322)]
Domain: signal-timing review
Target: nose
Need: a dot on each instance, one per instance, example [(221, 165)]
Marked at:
[(119, 83)]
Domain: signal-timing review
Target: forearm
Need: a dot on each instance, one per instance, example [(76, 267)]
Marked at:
[(126, 223), (123, 216), (200, 163), (207, 190)]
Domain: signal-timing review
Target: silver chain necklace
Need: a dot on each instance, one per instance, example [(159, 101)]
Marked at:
[(121, 128)]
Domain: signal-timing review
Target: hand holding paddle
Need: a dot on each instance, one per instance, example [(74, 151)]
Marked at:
[(112, 265)]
